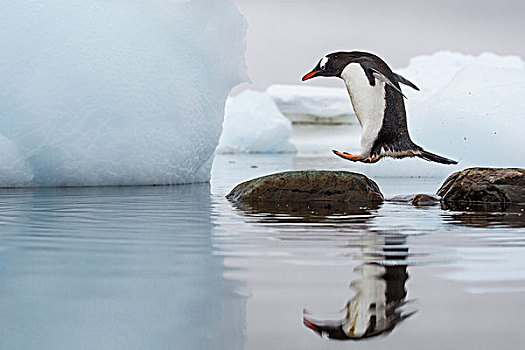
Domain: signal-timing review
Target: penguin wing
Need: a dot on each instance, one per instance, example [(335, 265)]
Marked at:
[(381, 77), (405, 81), (373, 74)]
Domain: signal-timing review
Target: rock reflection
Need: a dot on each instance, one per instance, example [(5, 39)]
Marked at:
[(486, 215), (319, 212), (377, 306)]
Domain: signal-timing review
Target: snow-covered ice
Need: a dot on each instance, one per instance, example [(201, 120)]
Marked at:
[(115, 92), (298, 101), (253, 124), (431, 73)]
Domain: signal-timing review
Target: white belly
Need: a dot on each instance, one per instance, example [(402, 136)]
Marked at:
[(368, 102)]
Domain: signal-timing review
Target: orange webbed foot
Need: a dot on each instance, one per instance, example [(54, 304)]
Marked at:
[(355, 157), (348, 156), (370, 160)]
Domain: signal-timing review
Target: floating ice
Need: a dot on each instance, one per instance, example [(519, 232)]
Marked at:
[(431, 73), (114, 92), (300, 102), (253, 124)]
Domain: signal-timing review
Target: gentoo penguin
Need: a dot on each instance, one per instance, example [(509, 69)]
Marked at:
[(378, 103)]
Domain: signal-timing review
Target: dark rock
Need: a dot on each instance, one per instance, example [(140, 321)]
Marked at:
[(484, 185), (422, 200), (418, 200), (308, 189)]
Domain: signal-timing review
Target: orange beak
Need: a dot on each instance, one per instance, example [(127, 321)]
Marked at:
[(310, 75), (310, 324)]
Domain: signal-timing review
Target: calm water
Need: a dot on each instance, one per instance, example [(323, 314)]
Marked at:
[(181, 268)]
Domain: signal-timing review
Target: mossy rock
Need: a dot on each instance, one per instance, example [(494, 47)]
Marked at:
[(484, 186), (308, 188)]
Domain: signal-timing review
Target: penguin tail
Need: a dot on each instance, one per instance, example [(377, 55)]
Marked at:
[(435, 158)]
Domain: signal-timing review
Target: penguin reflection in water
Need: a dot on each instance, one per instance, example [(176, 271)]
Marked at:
[(379, 300), (378, 104)]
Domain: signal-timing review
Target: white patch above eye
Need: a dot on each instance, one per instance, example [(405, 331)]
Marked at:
[(322, 64)]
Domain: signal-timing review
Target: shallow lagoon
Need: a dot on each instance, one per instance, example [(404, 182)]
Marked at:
[(182, 268)]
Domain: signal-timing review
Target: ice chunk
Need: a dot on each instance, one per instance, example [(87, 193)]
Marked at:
[(115, 92), (433, 72), (300, 102), (253, 124)]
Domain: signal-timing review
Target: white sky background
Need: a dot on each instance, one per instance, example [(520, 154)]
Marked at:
[(286, 38)]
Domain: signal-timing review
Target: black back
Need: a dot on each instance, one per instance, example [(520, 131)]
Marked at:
[(393, 135)]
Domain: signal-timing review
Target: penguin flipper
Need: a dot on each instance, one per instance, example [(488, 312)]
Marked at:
[(372, 74), (405, 81), (381, 77)]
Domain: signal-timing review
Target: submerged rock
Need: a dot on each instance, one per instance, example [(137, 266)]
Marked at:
[(418, 200), (484, 185), (309, 188)]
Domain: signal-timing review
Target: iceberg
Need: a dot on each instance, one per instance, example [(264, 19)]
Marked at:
[(254, 124), (432, 73), (115, 92)]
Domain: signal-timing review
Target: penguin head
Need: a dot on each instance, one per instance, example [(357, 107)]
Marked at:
[(331, 65)]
